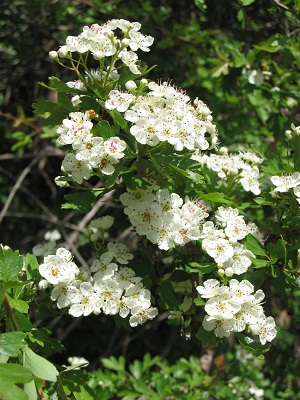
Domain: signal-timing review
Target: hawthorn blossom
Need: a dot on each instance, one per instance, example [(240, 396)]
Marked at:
[(79, 170), (140, 315), (234, 308), (118, 100), (285, 182), (84, 302), (59, 267)]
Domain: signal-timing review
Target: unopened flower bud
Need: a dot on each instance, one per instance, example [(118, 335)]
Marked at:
[(125, 43), (63, 51), (229, 271), (43, 284), (130, 86), (53, 55), (223, 150)]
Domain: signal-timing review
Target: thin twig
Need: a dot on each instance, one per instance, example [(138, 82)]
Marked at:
[(20, 180)]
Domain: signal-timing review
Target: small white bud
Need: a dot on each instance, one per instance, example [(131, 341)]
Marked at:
[(130, 86), (43, 284), (53, 55), (229, 271)]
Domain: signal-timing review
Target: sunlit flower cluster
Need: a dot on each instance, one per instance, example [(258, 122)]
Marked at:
[(234, 308), (165, 114), (243, 167), (90, 152), (163, 217), (108, 286), (101, 41), (220, 240), (284, 183)]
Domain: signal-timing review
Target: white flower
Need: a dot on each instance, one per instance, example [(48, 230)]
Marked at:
[(265, 328), (108, 296), (221, 327), (52, 235), (241, 259), (226, 214), (140, 315), (118, 100), (79, 170), (120, 252), (241, 291), (137, 295), (222, 306), (139, 41), (84, 302), (145, 130), (114, 147), (255, 77), (236, 228), (211, 288), (129, 58), (103, 223), (59, 267), (125, 277), (74, 129), (284, 183), (219, 249), (64, 293), (103, 267)]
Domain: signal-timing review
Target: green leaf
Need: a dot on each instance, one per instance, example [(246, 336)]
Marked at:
[(205, 268), (216, 197), (295, 142), (83, 201), (119, 119), (103, 129), (23, 321), (116, 364), (253, 347), (246, 3), (11, 343), (199, 302), (32, 265), (19, 305), (14, 373), (207, 338), (10, 264), (30, 390), (255, 246), (12, 392), (167, 295), (2, 292), (39, 366)]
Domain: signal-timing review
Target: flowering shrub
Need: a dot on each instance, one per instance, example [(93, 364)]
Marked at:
[(181, 235)]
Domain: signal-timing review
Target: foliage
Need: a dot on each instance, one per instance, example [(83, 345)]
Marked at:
[(251, 88)]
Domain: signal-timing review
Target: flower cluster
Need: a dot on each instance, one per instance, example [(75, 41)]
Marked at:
[(221, 241), (104, 287), (286, 182), (163, 217), (243, 167), (90, 152), (101, 42), (165, 114), (235, 308)]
